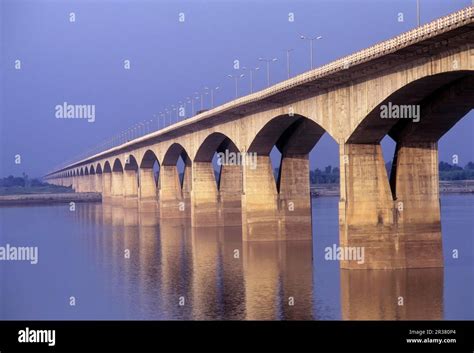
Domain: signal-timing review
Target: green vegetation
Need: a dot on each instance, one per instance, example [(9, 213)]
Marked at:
[(447, 172), (24, 185)]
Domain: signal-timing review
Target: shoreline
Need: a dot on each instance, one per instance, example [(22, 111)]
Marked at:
[(445, 187), (49, 198), (321, 190)]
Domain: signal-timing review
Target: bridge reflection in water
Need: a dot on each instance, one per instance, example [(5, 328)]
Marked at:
[(175, 271)]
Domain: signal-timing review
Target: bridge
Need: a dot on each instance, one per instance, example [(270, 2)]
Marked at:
[(395, 218)]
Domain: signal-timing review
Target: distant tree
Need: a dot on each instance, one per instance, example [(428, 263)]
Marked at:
[(469, 166)]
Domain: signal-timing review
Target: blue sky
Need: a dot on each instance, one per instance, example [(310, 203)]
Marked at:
[(82, 63)]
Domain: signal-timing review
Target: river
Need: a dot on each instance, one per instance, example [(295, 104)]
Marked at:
[(109, 262)]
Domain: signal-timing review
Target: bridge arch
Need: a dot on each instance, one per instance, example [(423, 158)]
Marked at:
[(149, 175), (286, 196), (106, 180), (217, 170), (422, 92), (407, 197), (130, 177), (175, 182), (117, 178)]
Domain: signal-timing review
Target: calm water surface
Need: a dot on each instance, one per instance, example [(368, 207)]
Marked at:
[(213, 273)]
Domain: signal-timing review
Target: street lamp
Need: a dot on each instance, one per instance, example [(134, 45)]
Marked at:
[(191, 101), (212, 93), (251, 76), (418, 13), (166, 113), (311, 40), (268, 61), (163, 116), (203, 93), (236, 78), (288, 62)]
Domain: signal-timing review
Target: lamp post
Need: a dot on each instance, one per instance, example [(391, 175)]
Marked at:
[(288, 62), (311, 40), (190, 100), (418, 22), (268, 61), (251, 76), (203, 93), (236, 78), (212, 93)]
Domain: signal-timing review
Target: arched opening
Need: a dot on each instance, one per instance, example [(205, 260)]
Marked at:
[(130, 177), (405, 201), (149, 175), (218, 180), (175, 182), (285, 199), (97, 177), (107, 181), (117, 179)]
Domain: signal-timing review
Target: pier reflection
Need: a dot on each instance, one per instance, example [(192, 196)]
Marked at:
[(405, 294), (166, 269)]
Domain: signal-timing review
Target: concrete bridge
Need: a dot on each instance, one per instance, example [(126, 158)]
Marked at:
[(395, 218)]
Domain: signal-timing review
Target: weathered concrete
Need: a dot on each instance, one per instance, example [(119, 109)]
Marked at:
[(147, 184)]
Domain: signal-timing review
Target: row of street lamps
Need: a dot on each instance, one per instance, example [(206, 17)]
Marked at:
[(165, 117)]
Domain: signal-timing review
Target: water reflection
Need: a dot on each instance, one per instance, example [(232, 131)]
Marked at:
[(170, 270), (413, 294)]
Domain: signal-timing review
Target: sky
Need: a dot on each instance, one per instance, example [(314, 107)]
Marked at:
[(82, 62)]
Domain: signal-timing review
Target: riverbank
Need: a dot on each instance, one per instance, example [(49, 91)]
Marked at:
[(49, 198), (445, 187)]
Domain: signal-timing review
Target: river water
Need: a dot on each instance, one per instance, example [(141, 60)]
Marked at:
[(117, 263)]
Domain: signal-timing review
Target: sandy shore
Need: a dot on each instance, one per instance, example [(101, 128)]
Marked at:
[(28, 199)]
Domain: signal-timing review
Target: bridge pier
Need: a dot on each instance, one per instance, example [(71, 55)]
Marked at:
[(81, 183), (366, 212), (147, 184), (230, 195), (172, 203), (204, 195), (117, 186), (400, 233), (259, 202), (98, 182), (294, 197), (91, 183), (106, 186), (415, 185), (130, 187)]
